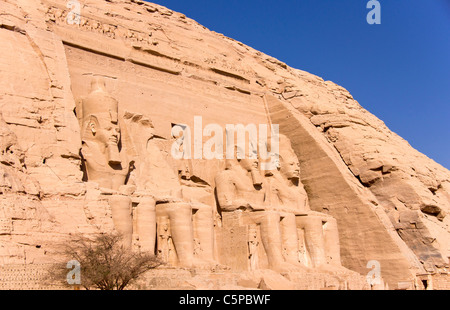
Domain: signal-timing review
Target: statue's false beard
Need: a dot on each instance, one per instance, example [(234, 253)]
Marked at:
[(113, 154), (295, 180), (256, 177)]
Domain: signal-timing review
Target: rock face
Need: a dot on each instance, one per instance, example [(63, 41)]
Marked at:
[(87, 134)]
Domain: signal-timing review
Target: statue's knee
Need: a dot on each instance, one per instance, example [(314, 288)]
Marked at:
[(147, 203)]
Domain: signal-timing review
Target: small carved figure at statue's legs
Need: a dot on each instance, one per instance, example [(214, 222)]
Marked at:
[(332, 245), (121, 208), (180, 217), (314, 238), (271, 238), (290, 240), (322, 241), (146, 224), (203, 222), (253, 247), (163, 235)]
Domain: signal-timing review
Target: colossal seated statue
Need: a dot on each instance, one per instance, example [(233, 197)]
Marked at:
[(177, 220), (104, 162), (317, 232), (240, 190), (137, 175), (101, 135)]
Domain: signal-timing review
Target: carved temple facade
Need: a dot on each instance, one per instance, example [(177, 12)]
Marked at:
[(88, 112)]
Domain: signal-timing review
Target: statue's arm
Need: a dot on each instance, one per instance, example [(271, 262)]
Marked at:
[(303, 198), (226, 193)]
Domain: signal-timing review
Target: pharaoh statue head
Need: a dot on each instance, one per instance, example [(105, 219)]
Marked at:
[(100, 121), (249, 163), (101, 138), (289, 165)]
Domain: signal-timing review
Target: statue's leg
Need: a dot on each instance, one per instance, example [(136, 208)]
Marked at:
[(313, 230), (121, 209), (332, 245), (180, 215), (290, 238), (270, 236), (146, 224), (203, 223)]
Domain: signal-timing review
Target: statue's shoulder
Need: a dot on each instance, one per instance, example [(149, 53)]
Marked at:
[(224, 176)]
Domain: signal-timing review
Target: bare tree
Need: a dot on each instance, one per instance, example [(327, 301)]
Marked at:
[(105, 263)]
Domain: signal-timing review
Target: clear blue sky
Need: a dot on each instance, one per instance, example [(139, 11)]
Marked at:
[(398, 70)]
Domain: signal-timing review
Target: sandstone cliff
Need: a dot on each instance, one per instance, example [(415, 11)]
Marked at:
[(390, 201)]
